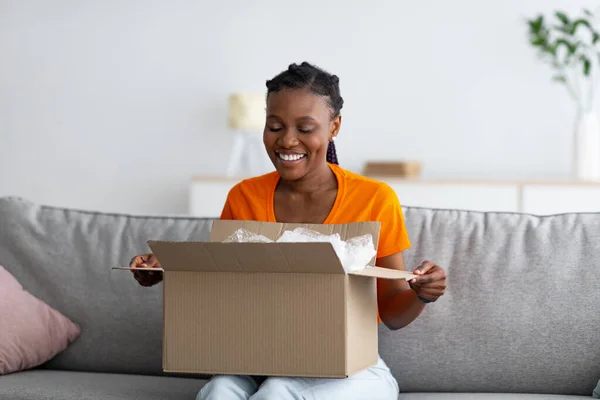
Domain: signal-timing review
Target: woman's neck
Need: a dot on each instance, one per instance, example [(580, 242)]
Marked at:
[(319, 180)]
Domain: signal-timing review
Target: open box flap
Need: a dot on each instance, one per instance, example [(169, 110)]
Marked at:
[(215, 256), (247, 257), (374, 272), (139, 269), (384, 273)]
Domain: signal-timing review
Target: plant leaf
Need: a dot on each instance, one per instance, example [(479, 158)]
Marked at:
[(595, 37), (586, 65), (536, 24), (579, 22), (571, 47), (559, 78), (539, 21), (538, 41), (562, 17), (588, 12)]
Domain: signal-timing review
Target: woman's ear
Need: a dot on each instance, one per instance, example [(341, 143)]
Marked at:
[(335, 127)]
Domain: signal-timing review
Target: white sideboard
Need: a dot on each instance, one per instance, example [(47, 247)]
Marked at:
[(207, 195)]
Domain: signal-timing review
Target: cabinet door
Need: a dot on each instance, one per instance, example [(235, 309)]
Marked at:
[(207, 198), (558, 199), (462, 196)]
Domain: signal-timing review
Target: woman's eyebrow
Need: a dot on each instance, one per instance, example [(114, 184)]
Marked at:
[(304, 118)]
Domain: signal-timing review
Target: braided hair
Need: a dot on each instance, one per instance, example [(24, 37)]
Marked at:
[(319, 82)]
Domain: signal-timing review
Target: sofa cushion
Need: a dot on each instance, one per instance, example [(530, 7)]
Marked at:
[(64, 385), (32, 332), (485, 396), (68, 385), (520, 313), (64, 257)]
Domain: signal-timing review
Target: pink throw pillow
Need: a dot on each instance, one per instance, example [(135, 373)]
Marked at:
[(31, 332)]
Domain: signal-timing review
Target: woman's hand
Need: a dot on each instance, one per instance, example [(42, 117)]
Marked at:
[(146, 278), (430, 285)]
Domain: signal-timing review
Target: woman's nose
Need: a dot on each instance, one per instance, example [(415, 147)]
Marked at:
[(288, 139)]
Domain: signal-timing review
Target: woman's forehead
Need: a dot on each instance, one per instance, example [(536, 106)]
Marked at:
[(296, 102)]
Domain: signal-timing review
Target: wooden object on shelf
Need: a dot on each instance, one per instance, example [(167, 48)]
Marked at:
[(399, 169)]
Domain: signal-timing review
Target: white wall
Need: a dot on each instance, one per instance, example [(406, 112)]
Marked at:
[(114, 105)]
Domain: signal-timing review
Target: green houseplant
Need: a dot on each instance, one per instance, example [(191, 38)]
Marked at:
[(571, 46)]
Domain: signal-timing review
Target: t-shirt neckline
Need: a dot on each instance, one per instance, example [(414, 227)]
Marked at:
[(338, 198)]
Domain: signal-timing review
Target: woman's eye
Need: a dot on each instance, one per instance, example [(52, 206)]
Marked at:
[(306, 129), (274, 128)]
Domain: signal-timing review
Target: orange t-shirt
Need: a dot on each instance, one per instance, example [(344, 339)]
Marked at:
[(359, 199)]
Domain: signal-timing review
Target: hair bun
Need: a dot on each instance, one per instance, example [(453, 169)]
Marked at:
[(335, 79)]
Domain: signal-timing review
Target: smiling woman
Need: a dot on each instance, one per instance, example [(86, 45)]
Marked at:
[(324, 87), (303, 119)]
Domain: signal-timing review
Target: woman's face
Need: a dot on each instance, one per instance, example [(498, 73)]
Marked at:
[(297, 131)]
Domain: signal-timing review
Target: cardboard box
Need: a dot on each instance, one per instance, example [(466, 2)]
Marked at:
[(273, 309)]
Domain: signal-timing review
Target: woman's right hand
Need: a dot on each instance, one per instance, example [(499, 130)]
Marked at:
[(146, 278)]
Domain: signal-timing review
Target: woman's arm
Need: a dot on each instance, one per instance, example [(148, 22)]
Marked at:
[(398, 300), (398, 304)]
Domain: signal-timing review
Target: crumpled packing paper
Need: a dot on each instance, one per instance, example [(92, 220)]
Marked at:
[(354, 253)]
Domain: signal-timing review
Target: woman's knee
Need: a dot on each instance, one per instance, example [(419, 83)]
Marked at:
[(374, 384), (279, 388), (234, 387)]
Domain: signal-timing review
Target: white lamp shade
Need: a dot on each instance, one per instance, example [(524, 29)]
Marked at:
[(247, 111)]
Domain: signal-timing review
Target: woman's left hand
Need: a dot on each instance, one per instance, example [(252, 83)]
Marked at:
[(431, 282)]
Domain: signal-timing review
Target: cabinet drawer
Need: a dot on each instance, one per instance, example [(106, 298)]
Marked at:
[(558, 199)]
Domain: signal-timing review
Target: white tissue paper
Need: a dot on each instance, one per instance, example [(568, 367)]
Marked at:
[(245, 236), (354, 253)]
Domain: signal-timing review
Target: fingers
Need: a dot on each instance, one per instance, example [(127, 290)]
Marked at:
[(146, 278), (149, 261), (423, 280), (136, 261), (439, 285), (424, 268), (430, 283), (148, 281), (432, 292), (428, 272), (144, 261)]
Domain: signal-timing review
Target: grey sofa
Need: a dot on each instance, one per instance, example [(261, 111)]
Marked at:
[(520, 320)]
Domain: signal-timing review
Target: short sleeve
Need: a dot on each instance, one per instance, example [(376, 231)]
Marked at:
[(386, 209), (227, 212)]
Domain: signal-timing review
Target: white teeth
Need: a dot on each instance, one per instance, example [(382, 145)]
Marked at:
[(291, 157)]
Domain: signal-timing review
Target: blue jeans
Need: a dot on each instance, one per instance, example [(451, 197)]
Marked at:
[(376, 383)]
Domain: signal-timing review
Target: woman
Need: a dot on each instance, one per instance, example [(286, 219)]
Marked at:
[(303, 120)]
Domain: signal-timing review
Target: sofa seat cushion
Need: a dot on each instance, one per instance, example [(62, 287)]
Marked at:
[(42, 384), (486, 396)]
